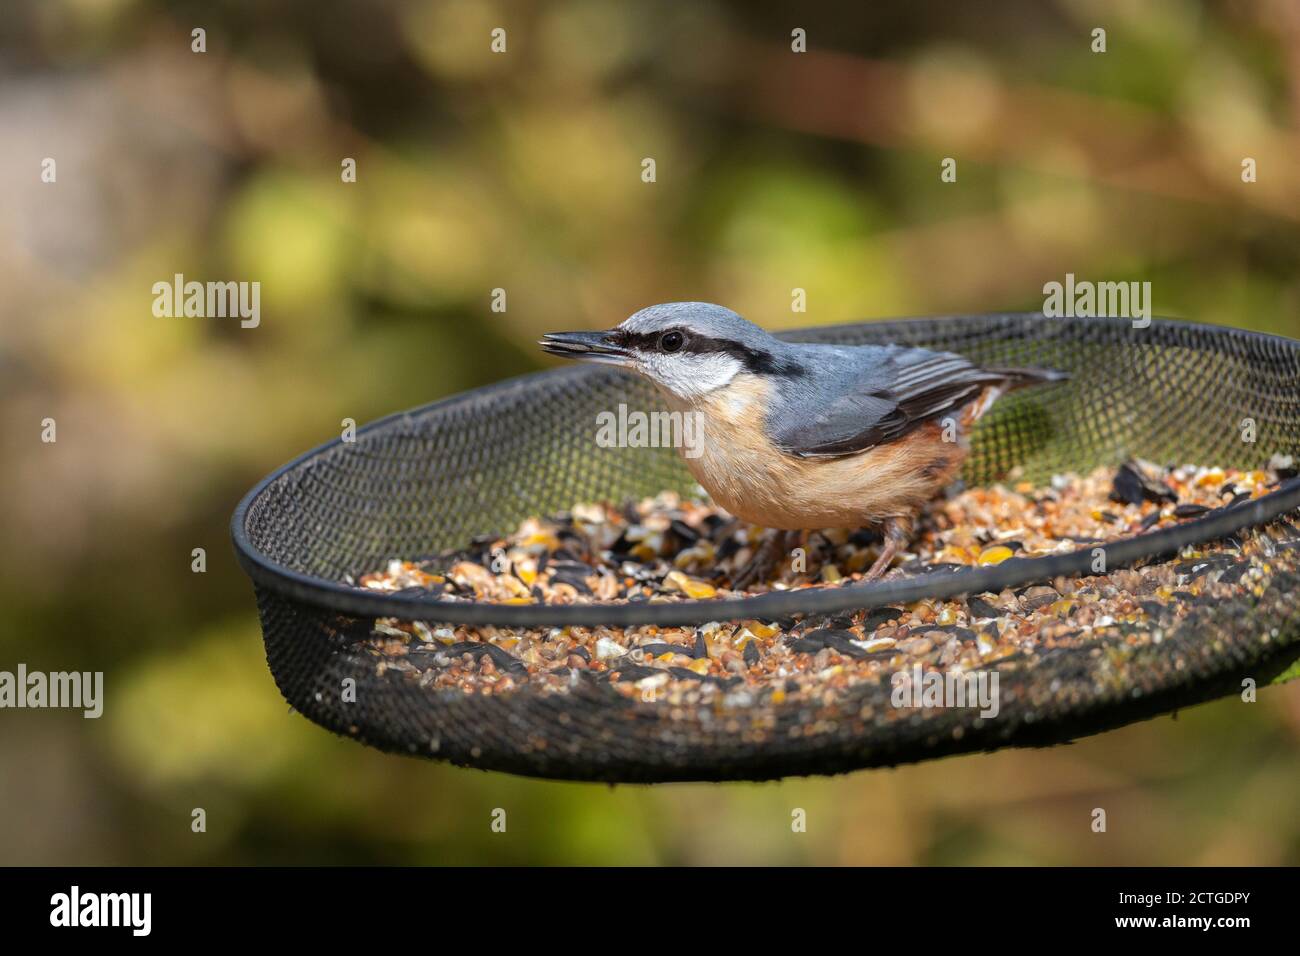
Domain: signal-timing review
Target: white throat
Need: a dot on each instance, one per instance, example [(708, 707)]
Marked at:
[(691, 377)]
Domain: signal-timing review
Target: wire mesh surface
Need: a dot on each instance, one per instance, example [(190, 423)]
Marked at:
[(421, 482)]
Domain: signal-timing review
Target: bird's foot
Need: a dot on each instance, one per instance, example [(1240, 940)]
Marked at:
[(897, 532), (767, 558)]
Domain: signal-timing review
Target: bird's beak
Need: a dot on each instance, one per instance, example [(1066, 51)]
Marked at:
[(596, 347)]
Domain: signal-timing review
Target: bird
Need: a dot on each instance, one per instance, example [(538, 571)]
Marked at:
[(799, 437)]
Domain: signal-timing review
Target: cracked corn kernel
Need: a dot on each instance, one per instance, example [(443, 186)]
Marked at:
[(995, 555), (526, 571), (1213, 476), (542, 539), (701, 553), (715, 643), (517, 587), (954, 554), (690, 586)]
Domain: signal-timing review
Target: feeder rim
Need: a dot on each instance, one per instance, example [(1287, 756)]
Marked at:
[(772, 605)]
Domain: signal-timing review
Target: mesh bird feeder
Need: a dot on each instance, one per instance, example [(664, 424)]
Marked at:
[(476, 465)]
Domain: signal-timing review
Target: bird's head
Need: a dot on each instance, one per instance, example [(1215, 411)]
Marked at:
[(686, 348)]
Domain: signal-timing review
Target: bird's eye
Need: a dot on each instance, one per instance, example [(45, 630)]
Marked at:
[(672, 341)]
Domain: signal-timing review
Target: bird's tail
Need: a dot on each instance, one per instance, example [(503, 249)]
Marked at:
[(1024, 377)]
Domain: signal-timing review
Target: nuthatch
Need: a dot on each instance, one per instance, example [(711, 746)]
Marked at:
[(798, 436)]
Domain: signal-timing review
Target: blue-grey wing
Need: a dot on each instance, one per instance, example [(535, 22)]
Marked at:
[(851, 405)]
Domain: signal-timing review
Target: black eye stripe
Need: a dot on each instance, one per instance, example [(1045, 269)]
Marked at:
[(759, 361), (643, 341)]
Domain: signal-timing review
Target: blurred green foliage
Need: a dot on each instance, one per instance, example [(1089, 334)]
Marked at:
[(522, 171)]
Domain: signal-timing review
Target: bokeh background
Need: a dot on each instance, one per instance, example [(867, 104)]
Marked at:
[(522, 171)]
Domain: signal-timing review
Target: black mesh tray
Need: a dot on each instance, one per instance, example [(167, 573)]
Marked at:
[(430, 479)]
